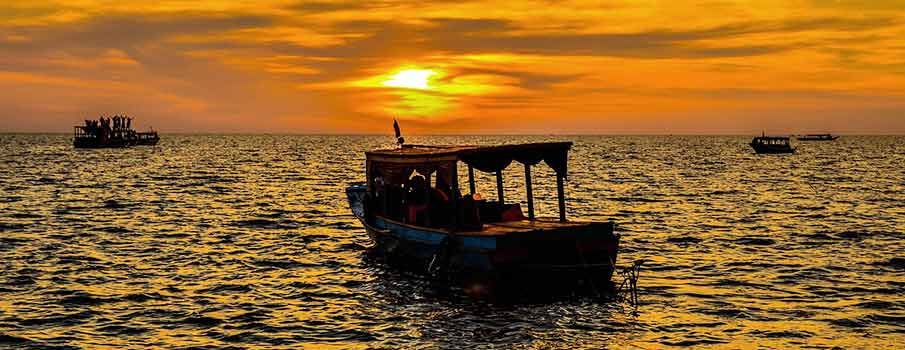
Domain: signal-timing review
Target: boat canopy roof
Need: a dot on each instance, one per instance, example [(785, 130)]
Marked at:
[(484, 158)]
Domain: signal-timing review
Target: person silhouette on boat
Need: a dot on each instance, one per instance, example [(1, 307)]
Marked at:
[(440, 203), (416, 200), (416, 192)]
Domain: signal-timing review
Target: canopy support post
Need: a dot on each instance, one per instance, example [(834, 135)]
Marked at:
[(561, 196), (499, 187), (530, 193), (471, 179), (454, 197), (427, 202)]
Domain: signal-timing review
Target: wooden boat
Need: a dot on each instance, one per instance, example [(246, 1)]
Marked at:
[(99, 134), (434, 229), (771, 145), (817, 137)]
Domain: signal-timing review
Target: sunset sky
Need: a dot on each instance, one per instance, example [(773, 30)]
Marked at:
[(632, 67)]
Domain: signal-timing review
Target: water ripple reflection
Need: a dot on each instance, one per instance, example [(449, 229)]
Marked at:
[(246, 242)]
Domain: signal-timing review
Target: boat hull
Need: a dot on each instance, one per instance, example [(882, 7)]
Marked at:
[(564, 257), (92, 142), (117, 142), (771, 149)]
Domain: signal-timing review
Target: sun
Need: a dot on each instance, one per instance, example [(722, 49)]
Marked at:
[(411, 78)]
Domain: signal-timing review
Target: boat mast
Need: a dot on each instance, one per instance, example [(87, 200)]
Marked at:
[(455, 194)]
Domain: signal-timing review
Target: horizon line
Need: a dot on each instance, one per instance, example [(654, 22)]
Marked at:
[(202, 133)]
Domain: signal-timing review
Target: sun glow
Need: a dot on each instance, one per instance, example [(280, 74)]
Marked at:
[(411, 78)]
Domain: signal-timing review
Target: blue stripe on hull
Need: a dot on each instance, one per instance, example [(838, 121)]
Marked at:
[(410, 233), (472, 252), (487, 243), (431, 237)]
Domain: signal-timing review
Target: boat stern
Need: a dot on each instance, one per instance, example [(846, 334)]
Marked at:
[(585, 250)]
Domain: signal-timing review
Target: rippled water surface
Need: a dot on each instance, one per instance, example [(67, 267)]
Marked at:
[(247, 242)]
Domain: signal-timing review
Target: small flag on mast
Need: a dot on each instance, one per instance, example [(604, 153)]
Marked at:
[(399, 139)]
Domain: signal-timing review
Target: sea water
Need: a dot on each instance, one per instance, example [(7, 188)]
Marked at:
[(247, 242)]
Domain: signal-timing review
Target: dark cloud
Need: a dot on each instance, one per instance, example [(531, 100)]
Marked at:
[(528, 80), (26, 10), (858, 5), (124, 31), (470, 27), (467, 36), (321, 7), (143, 38), (121, 31), (475, 36), (334, 6)]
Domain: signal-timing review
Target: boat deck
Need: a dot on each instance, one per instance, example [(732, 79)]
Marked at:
[(524, 226), (521, 226), (508, 227)]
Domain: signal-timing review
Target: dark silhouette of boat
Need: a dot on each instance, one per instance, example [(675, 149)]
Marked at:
[(434, 229), (771, 145), (115, 132), (817, 137)]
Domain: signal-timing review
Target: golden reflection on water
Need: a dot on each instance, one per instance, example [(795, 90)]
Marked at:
[(246, 241)]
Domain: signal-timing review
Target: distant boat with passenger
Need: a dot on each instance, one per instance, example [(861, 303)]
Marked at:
[(434, 229), (771, 145), (112, 132), (817, 137)]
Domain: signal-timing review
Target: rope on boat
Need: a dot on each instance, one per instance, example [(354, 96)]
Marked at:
[(630, 281)]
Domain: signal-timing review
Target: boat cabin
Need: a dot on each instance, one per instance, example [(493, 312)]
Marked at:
[(418, 185)]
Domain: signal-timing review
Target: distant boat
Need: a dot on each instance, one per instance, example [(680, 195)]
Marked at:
[(435, 229), (817, 137), (771, 145), (113, 132)]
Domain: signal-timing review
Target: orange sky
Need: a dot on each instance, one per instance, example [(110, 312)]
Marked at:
[(636, 67)]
